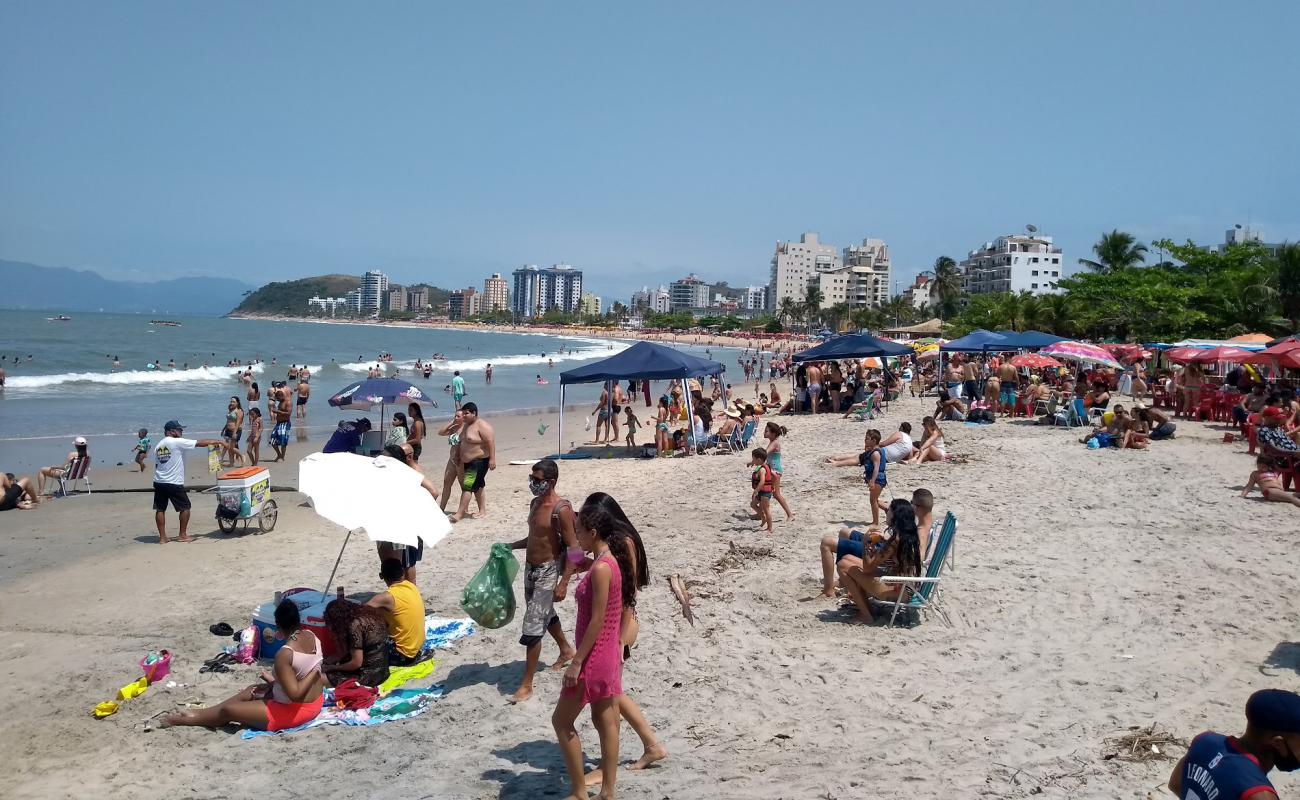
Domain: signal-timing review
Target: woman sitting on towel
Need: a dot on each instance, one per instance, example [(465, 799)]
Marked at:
[(900, 556), (361, 636), (289, 696)]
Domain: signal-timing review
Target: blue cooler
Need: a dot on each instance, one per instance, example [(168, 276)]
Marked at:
[(308, 601)]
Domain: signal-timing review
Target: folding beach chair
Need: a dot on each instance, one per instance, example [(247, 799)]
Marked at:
[(1076, 415), (920, 595), (78, 470)]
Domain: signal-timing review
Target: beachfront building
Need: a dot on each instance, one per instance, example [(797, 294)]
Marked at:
[(353, 300), (589, 305), (688, 293), (496, 293), (918, 294), (330, 304), (417, 298), (373, 286), (868, 266), (795, 265), (755, 298), (1243, 234), (395, 299), (1016, 263), (464, 303), (537, 291)]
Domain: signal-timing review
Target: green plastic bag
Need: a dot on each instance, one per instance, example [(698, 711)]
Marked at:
[(489, 598)]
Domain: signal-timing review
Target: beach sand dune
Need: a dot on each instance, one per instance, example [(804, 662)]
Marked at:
[(1093, 591)]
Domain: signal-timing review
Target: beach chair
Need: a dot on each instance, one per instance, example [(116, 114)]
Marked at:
[(1076, 416), (920, 595), (78, 470)]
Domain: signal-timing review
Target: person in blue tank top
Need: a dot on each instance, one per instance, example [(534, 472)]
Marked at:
[(1219, 767)]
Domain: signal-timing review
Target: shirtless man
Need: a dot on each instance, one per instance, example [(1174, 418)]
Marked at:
[(814, 385), (620, 400), (283, 416), (1007, 379), (546, 576), (602, 416), (478, 452), (969, 380), (304, 391)]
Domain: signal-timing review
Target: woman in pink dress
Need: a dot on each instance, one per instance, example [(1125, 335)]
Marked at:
[(595, 676)]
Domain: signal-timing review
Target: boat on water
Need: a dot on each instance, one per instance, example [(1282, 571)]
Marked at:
[(166, 323), (59, 318)]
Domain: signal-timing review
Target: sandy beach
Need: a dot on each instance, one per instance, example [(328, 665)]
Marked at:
[(1093, 591)]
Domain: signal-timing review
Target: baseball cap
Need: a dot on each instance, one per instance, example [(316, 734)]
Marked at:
[(173, 425), (79, 440), (1274, 710)]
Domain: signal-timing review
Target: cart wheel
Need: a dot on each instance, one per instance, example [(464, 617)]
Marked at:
[(269, 514), (227, 525)]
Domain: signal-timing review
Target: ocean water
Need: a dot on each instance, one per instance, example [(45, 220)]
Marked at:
[(69, 386)]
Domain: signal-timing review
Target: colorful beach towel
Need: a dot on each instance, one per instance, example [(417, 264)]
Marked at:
[(400, 704), (400, 676), (441, 632)]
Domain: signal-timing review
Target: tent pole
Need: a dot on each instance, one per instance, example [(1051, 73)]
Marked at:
[(330, 581), (690, 419), (559, 436)]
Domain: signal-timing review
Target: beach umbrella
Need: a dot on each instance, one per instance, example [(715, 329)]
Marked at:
[(1080, 351), (928, 355), (1034, 361), (1182, 355), (1251, 338), (1274, 353), (871, 363), (1216, 354), (364, 395), (381, 496)]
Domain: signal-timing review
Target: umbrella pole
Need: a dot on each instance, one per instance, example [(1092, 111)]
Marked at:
[(334, 571), (559, 435)]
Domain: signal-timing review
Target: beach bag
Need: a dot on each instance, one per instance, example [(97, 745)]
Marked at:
[(489, 598)]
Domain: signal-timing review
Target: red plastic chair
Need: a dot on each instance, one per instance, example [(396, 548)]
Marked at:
[(1249, 427)]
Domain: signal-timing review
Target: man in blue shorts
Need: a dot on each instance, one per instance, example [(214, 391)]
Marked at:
[(1219, 767), (854, 543), (457, 388)]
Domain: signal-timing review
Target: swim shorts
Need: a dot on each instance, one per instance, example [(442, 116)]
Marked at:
[(302, 401), (233, 438), (282, 716), (855, 545), (475, 475), (1008, 397), (540, 581), (174, 492), (280, 434)]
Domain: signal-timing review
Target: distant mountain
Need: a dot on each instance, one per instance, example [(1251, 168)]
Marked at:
[(290, 297), (30, 286)]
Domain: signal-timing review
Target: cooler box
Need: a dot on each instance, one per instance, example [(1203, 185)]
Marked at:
[(311, 607), (372, 443), (249, 487)]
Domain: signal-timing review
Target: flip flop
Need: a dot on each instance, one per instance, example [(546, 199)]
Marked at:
[(221, 629)]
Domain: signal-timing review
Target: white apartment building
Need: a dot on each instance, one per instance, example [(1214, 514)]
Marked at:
[(395, 299), (536, 291), (373, 286), (1014, 264), (417, 299), (661, 302), (1242, 234), (918, 294), (755, 298), (689, 292), (329, 304), (496, 293), (795, 264), (589, 304), (463, 303), (869, 267), (353, 300)]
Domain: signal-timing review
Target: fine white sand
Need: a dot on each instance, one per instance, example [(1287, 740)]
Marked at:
[(1093, 591)]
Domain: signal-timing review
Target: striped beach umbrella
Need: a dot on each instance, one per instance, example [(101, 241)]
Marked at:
[(1080, 351), (1034, 361)]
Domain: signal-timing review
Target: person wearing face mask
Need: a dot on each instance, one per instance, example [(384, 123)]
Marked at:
[(1237, 767), (547, 573)]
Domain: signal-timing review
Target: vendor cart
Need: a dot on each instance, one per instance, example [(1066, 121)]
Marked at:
[(244, 495)]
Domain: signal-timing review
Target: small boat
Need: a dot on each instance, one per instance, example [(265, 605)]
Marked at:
[(165, 323), (59, 318)]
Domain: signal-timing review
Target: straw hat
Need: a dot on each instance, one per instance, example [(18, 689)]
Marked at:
[(733, 413)]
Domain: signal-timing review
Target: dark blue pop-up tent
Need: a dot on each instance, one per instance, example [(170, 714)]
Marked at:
[(643, 361), (1029, 340), (853, 345), (977, 341)]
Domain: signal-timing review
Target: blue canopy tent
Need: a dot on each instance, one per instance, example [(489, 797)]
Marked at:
[(1028, 340), (978, 341), (853, 345), (643, 361)]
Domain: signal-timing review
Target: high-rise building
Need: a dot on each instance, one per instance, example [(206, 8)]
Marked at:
[(537, 291), (373, 285), (417, 298), (918, 294), (1013, 264), (1243, 234), (463, 303), (353, 300), (661, 301), (330, 304), (589, 304), (395, 299), (755, 298), (689, 292), (795, 264), (496, 293)]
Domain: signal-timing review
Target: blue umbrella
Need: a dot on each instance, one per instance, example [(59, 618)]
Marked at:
[(364, 395)]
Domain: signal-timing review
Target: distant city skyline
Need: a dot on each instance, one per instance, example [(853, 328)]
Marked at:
[(572, 145)]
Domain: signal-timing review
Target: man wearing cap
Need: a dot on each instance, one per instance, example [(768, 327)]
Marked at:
[(1272, 436), (169, 477), (1222, 767)]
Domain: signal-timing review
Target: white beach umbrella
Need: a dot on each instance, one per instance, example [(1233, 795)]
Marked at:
[(380, 495)]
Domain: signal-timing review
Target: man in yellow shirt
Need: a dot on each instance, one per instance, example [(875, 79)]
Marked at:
[(403, 610)]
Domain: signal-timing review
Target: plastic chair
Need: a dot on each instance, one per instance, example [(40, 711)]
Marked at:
[(78, 471)]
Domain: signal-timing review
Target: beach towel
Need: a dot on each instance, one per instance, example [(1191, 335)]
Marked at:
[(400, 676), (400, 704), (442, 632)]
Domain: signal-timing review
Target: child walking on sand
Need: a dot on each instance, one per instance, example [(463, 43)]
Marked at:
[(773, 433), (1269, 481), (761, 479), (872, 461), (141, 448), (632, 424)]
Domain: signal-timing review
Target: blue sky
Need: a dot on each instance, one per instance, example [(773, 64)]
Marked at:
[(442, 142)]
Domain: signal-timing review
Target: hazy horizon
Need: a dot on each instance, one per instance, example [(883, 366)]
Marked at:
[(147, 140)]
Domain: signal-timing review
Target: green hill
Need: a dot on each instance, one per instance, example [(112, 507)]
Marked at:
[(290, 297)]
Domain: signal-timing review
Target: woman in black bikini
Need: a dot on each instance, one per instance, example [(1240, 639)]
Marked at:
[(416, 430), (835, 379)]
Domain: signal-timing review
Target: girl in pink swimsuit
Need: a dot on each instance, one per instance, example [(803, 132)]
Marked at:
[(595, 676)]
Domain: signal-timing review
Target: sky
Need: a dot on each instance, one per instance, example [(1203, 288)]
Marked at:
[(441, 142)]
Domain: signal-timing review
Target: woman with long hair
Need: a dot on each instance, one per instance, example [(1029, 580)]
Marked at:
[(899, 556), (663, 443), (932, 444), (233, 431), (454, 472), (603, 510), (416, 430), (361, 640), (773, 433), (399, 432)]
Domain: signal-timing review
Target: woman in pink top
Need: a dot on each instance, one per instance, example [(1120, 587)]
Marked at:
[(595, 676), (294, 688)]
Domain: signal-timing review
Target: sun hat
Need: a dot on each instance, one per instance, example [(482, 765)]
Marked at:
[(80, 440), (733, 413), (1274, 710)]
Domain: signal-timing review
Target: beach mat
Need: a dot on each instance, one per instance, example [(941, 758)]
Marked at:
[(398, 705)]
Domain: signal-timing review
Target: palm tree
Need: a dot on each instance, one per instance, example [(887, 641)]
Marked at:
[(946, 290), (1116, 251), (787, 310), (1056, 314), (812, 303)]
